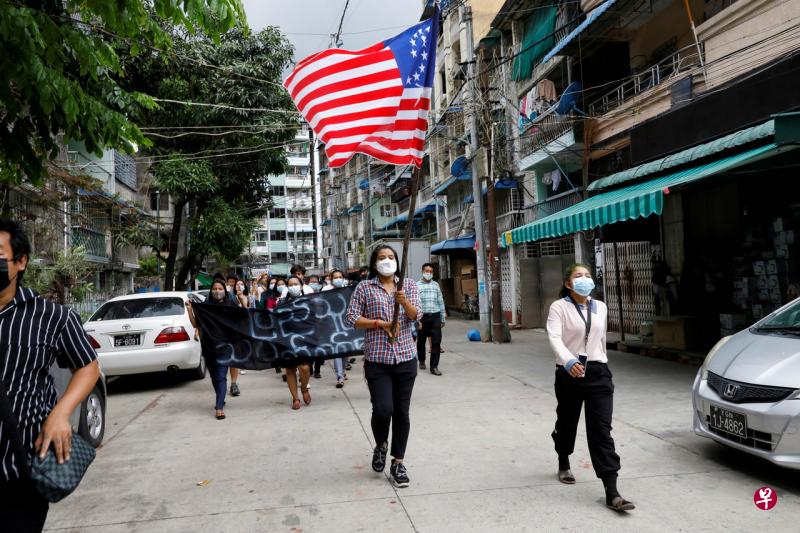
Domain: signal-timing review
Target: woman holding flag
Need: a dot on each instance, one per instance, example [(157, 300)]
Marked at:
[(390, 355)]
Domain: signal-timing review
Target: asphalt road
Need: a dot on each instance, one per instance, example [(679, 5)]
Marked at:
[(480, 456)]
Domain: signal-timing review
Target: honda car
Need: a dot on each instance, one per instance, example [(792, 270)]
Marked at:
[(747, 393)]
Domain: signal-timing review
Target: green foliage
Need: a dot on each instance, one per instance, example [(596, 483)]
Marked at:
[(222, 230), (69, 275), (184, 179), (61, 74), (148, 267)]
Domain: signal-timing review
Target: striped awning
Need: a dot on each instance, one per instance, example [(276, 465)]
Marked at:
[(629, 203), (590, 17), (395, 221)]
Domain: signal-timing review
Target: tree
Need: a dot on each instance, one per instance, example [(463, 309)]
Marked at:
[(242, 141), (61, 72)]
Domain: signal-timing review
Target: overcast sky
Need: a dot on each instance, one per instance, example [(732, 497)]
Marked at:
[(366, 21)]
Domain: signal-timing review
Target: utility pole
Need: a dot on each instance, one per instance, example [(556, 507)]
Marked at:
[(368, 237), (471, 100), (314, 218), (498, 331)]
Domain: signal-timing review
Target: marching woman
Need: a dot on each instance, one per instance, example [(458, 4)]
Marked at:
[(390, 355), (576, 326), (219, 374), (294, 290), (337, 282)]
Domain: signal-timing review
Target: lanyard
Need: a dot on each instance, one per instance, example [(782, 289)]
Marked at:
[(586, 320)]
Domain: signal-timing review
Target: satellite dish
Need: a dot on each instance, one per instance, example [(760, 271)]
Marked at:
[(459, 166)]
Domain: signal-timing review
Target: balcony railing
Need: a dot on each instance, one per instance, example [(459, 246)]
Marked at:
[(94, 242), (681, 61), (545, 129), (552, 205)]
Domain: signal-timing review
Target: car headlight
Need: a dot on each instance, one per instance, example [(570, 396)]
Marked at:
[(795, 395), (710, 356)]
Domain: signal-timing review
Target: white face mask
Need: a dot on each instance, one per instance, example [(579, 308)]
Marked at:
[(218, 294), (295, 290), (427, 276), (386, 267), (338, 283), (240, 287)]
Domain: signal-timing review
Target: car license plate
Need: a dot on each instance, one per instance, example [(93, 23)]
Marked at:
[(728, 421), (133, 339)]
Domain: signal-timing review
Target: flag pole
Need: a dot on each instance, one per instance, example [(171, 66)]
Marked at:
[(412, 204)]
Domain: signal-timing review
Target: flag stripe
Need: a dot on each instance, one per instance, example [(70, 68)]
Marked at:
[(373, 101)]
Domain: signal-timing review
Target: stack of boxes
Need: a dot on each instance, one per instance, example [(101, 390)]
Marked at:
[(765, 281)]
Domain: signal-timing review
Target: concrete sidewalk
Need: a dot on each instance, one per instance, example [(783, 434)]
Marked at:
[(480, 456)]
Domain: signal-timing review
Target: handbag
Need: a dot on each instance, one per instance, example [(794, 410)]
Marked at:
[(52, 480)]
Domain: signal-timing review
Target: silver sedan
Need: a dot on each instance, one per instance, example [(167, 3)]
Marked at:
[(747, 393)]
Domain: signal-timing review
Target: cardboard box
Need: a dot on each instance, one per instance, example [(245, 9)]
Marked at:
[(468, 272), (677, 332), (730, 321), (469, 286)]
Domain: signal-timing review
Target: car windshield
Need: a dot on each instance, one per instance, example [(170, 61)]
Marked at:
[(139, 308), (786, 320)]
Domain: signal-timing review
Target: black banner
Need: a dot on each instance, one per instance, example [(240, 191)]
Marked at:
[(293, 333)]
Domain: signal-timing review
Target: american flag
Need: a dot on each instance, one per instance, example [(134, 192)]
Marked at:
[(373, 101)]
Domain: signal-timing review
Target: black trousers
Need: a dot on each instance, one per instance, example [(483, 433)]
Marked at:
[(390, 389), (431, 327), (596, 392), (22, 508), (316, 365)]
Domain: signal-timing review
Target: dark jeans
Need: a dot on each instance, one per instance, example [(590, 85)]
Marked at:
[(596, 391), (22, 509), (390, 389), (219, 380), (431, 327)]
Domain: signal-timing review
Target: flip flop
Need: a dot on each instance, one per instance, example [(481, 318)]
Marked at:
[(220, 415), (620, 504), (306, 396), (566, 477)]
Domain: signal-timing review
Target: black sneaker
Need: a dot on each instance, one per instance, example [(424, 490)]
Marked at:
[(379, 458), (317, 375), (399, 475), (235, 389), (422, 365)]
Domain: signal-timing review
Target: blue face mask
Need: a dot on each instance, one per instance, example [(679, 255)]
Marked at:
[(338, 283), (295, 291), (315, 286), (583, 286)]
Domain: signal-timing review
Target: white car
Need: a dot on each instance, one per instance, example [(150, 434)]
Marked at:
[(147, 332)]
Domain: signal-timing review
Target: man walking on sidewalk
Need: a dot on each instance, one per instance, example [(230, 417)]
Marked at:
[(433, 317)]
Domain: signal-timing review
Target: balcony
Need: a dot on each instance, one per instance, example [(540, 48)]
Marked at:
[(299, 204), (297, 181), (95, 243), (684, 60), (545, 129), (552, 205)]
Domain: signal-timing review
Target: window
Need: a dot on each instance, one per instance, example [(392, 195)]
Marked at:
[(277, 235), (139, 308), (298, 171), (277, 212), (155, 198), (389, 210), (261, 236), (277, 190), (279, 257)]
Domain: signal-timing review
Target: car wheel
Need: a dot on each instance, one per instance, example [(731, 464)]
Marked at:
[(92, 424), (201, 370)]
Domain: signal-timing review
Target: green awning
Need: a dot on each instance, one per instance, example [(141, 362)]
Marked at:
[(536, 41), (204, 279), (742, 137), (635, 201)]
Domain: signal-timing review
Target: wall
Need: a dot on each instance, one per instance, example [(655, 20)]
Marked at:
[(483, 13), (741, 25), (670, 22)]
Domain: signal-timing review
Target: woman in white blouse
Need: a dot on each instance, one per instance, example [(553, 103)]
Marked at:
[(576, 326)]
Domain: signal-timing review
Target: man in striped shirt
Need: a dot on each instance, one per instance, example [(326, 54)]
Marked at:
[(432, 321), (34, 333)]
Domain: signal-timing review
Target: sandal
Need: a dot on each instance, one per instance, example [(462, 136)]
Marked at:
[(339, 384), (566, 477), (295, 404), (220, 414), (620, 504), (306, 396)]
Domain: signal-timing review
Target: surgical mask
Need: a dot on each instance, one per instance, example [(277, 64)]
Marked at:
[(386, 267), (218, 294), (427, 276), (338, 283), (315, 286), (295, 291), (281, 288), (5, 281), (240, 287), (583, 286), (228, 288), (272, 285)]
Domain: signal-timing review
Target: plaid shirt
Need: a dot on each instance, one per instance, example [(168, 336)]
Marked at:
[(431, 297), (372, 302)]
